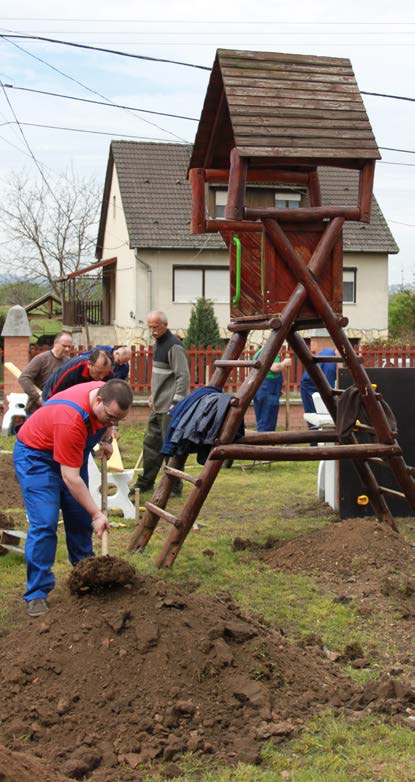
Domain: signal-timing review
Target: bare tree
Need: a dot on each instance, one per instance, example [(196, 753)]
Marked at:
[(52, 230)]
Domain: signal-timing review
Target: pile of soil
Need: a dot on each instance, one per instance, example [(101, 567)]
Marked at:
[(350, 547), (144, 673), (10, 494)]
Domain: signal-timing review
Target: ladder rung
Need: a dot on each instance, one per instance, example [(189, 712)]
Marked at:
[(9, 547), (222, 362), (365, 428), (304, 454), (393, 492), (171, 472), (162, 514)]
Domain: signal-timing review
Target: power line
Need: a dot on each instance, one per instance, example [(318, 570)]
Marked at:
[(89, 89), (36, 162), (85, 130), (383, 95), (392, 149), (117, 52), (107, 51), (197, 21), (100, 103)]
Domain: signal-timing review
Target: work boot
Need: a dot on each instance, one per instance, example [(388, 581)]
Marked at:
[(37, 607)]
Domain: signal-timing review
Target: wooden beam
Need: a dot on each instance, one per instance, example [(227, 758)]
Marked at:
[(197, 181), (366, 177), (305, 214), (237, 186)]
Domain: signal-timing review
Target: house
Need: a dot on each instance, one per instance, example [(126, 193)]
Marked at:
[(152, 261)]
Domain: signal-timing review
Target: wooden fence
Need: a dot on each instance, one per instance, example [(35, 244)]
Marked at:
[(201, 364)]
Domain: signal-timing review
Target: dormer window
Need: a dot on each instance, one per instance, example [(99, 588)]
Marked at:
[(287, 200)]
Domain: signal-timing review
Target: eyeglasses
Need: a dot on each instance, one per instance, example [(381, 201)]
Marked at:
[(114, 419)]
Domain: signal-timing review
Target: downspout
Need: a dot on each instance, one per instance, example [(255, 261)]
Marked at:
[(149, 280)]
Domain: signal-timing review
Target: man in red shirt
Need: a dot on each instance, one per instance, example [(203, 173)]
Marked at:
[(51, 463)]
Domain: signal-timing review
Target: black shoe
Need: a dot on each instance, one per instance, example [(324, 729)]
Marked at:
[(37, 607), (177, 491)]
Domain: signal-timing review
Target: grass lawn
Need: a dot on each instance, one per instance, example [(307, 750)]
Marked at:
[(278, 501)]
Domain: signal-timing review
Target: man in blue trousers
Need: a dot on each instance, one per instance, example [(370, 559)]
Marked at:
[(51, 462), (267, 398)]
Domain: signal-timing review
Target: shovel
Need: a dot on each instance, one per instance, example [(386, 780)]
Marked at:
[(104, 503)]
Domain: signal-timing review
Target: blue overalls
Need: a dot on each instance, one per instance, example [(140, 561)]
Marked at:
[(267, 403), (45, 493)]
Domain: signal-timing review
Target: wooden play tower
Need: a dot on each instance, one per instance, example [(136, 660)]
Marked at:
[(272, 120)]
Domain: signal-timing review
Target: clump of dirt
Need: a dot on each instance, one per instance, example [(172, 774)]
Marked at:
[(351, 547), (144, 673), (6, 521), (10, 494), (98, 573)]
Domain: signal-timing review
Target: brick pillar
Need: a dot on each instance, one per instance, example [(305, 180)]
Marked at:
[(16, 333)]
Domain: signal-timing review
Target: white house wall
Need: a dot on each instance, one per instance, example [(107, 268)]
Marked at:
[(162, 263), (370, 312), (116, 245)]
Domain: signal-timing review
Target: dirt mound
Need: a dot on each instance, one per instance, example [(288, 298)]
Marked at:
[(351, 547), (21, 767), (10, 494), (145, 673), (97, 573)]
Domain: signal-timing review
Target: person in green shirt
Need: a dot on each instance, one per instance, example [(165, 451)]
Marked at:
[(267, 398)]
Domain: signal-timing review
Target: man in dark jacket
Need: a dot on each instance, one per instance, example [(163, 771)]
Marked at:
[(80, 369), (170, 381)]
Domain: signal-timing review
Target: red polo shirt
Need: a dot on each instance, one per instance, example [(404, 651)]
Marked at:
[(60, 428)]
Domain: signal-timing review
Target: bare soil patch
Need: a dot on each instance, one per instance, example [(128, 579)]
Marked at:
[(368, 566), (10, 494), (139, 675)]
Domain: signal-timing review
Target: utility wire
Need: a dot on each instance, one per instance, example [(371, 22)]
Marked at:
[(101, 49), (89, 89), (117, 52), (85, 130), (36, 162), (100, 103)]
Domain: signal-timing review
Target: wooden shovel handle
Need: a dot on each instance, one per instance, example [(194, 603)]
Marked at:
[(104, 503)]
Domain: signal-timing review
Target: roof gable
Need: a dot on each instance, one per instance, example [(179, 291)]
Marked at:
[(282, 106)]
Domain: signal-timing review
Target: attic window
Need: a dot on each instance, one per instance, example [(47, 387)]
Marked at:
[(114, 207), (287, 200)]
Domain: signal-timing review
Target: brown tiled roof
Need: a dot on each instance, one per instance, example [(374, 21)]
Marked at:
[(156, 199)]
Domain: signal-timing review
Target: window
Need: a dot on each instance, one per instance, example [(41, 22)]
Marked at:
[(192, 282), (349, 286), (221, 197), (287, 200)]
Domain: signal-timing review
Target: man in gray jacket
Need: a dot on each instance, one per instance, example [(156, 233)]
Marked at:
[(170, 381), (41, 367)]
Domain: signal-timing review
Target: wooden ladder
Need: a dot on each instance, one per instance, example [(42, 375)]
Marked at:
[(271, 446)]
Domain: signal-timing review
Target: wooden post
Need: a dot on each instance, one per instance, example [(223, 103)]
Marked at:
[(237, 185), (366, 178), (197, 181), (314, 192)]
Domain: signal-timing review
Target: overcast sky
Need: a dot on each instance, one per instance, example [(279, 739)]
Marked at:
[(378, 37)]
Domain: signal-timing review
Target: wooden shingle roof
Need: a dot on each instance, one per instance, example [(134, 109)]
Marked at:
[(283, 106)]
